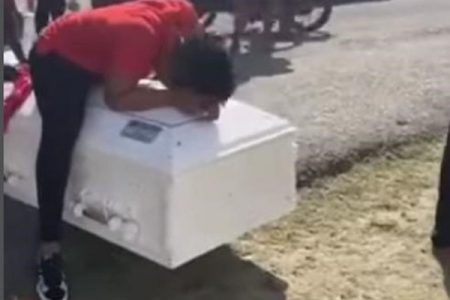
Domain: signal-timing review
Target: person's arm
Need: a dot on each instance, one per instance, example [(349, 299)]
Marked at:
[(133, 57), (128, 95), (122, 94)]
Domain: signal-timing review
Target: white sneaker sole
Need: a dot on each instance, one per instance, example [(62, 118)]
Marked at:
[(40, 293)]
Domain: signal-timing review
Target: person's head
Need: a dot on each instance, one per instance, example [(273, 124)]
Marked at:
[(202, 67)]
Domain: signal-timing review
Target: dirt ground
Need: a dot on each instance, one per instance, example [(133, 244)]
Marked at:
[(362, 235)]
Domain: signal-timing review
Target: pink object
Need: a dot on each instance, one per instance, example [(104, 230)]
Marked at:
[(20, 93)]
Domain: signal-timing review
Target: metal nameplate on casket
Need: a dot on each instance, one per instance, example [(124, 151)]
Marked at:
[(163, 184)]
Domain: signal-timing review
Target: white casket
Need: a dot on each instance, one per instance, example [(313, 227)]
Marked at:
[(162, 184)]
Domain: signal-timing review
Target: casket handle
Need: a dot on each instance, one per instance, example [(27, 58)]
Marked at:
[(130, 231), (115, 223), (79, 209)]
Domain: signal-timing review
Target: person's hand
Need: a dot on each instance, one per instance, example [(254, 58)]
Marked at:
[(194, 104), (212, 113), (186, 101)]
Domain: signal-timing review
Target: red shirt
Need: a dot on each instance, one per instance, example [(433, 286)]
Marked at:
[(131, 39)]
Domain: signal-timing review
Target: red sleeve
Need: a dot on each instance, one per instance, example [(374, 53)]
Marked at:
[(187, 20), (186, 23), (134, 52)]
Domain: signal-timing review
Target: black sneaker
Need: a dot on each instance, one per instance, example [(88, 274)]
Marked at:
[(51, 283)]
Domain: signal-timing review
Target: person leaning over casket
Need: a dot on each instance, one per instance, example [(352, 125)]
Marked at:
[(116, 46), (441, 236)]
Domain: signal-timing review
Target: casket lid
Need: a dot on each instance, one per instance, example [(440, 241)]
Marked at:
[(174, 142)]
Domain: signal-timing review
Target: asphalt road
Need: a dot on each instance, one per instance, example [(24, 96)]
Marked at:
[(376, 76)]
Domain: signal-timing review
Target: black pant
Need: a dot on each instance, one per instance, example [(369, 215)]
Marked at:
[(47, 9), (61, 89), (13, 29), (441, 237)]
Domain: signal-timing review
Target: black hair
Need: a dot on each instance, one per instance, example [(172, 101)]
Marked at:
[(203, 65)]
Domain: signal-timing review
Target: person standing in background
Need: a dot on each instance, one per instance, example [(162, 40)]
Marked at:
[(47, 9), (13, 26), (441, 235), (287, 19)]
